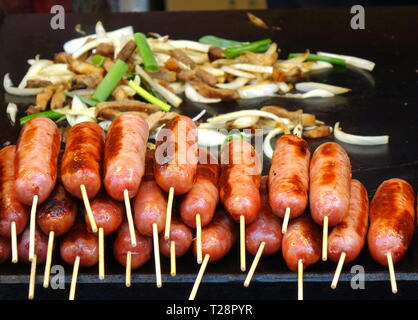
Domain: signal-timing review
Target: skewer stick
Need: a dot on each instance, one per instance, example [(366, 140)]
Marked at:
[(199, 238), (392, 274), (254, 264), (168, 215), (156, 255), (128, 269), (173, 271), (74, 278), (47, 272), (14, 242), (242, 242), (32, 227), (325, 240), (88, 208), (338, 271), (199, 277), (286, 220), (300, 279), (101, 254), (129, 216), (32, 278)]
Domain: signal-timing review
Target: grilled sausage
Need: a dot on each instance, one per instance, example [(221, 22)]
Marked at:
[(301, 241), (391, 220), (81, 163), (41, 246), (122, 245), (11, 210), (267, 227), (240, 180), (150, 205), (349, 236), (289, 176), (204, 195), (58, 213), (124, 157), (181, 235), (330, 176), (5, 250), (176, 155), (218, 237), (108, 214), (79, 242), (36, 159)]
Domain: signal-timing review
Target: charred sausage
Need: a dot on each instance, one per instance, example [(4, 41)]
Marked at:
[(108, 214), (181, 235), (41, 246)]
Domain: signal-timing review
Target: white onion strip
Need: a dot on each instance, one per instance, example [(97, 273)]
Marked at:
[(359, 140), (8, 87), (268, 150), (244, 113), (354, 61)]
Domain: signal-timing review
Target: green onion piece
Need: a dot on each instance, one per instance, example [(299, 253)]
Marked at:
[(144, 49), (149, 97), (256, 46), (315, 57), (97, 60), (87, 101), (47, 114), (110, 81), (219, 42)]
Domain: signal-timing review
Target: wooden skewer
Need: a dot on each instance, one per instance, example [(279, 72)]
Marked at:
[(128, 269), (199, 277), (129, 216), (101, 254), (198, 238), (325, 240), (32, 227), (88, 208), (173, 271), (156, 255), (254, 264), (74, 278), (168, 215), (300, 279), (392, 273), (286, 220), (47, 272), (13, 234), (242, 242), (338, 271), (31, 294)]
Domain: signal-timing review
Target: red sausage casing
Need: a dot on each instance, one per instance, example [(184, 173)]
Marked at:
[(330, 177), (108, 214), (79, 242), (36, 159), (289, 176), (391, 220), (349, 235), (240, 180), (181, 235), (150, 205), (57, 213), (122, 245), (124, 157), (176, 155), (267, 227), (81, 162), (41, 246), (204, 195), (302, 240), (218, 237), (5, 249), (11, 209)]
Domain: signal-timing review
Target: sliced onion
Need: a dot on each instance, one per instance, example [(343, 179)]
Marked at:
[(105, 124), (359, 140), (199, 115), (214, 71), (244, 113), (238, 73), (34, 69), (209, 138), (245, 122), (191, 45), (80, 107), (258, 90), (233, 85), (253, 68), (354, 61), (317, 93), (11, 110), (85, 48), (268, 150), (195, 96), (319, 65), (56, 69), (197, 57), (177, 87), (8, 87), (283, 86), (308, 86)]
